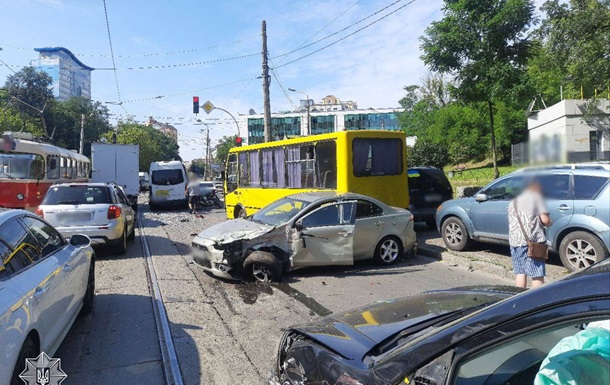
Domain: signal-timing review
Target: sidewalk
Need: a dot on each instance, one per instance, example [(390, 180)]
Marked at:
[(489, 258)]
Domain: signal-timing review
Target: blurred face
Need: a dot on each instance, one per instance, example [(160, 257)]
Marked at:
[(535, 186)]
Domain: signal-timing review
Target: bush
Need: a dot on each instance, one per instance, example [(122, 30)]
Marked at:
[(428, 153)]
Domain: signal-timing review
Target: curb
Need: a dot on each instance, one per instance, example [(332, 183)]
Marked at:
[(479, 263)]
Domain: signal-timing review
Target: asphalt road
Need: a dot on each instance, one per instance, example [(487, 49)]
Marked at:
[(224, 332)]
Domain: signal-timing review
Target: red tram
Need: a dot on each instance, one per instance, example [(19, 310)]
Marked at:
[(29, 168)]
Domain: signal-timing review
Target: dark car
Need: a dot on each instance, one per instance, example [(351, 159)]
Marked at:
[(474, 336), (428, 188)]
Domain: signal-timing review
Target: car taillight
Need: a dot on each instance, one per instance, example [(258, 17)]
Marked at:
[(39, 212), (114, 212)]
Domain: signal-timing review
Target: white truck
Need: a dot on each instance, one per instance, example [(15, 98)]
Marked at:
[(118, 163)]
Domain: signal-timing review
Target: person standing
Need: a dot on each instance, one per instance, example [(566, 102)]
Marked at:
[(193, 192), (527, 216)]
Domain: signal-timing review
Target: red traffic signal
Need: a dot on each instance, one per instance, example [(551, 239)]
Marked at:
[(195, 104), (238, 141)]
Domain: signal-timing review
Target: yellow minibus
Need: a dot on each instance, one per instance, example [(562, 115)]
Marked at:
[(365, 162)]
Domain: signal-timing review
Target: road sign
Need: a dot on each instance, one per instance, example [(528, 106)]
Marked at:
[(208, 107)]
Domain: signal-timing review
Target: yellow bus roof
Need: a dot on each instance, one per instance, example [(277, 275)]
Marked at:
[(321, 137)]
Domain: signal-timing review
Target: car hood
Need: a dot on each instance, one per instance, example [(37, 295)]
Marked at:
[(354, 333), (463, 202), (233, 230)]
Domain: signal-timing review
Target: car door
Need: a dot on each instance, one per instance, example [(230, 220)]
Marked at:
[(367, 228), (558, 192), (516, 352), (489, 216), (74, 264), (38, 279), (325, 236), (126, 207)]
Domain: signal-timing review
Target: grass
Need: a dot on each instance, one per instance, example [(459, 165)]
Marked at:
[(475, 175)]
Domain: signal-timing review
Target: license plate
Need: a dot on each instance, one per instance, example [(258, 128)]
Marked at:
[(433, 198), (163, 193), (73, 218)]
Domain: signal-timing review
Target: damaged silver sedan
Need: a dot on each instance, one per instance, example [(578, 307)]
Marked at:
[(302, 230)]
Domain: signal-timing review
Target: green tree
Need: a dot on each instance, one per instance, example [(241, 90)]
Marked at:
[(66, 122), (484, 45), (154, 145), (30, 94), (575, 48), (223, 147), (427, 153)]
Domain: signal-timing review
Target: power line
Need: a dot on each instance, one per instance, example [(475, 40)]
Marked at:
[(279, 83), (349, 35), (187, 92), (322, 29), (180, 64), (116, 78), (343, 29), (153, 54)]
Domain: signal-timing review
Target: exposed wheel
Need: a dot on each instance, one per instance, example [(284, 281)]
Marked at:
[(89, 299), (431, 223), (388, 250), (218, 202), (455, 234), (121, 247), (262, 266), (580, 249), (28, 350)]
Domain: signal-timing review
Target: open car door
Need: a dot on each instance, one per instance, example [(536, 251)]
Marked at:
[(326, 236)]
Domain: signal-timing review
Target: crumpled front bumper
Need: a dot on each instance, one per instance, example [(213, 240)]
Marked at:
[(212, 259)]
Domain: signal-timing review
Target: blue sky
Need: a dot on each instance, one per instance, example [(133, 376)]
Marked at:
[(371, 67)]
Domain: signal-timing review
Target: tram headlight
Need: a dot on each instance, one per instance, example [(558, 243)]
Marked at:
[(20, 196)]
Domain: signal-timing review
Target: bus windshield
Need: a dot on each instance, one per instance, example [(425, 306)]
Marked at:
[(21, 166), (279, 212)]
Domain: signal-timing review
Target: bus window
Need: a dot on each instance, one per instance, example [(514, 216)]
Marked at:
[(300, 166), (52, 167), (231, 173), (377, 156), (326, 164)]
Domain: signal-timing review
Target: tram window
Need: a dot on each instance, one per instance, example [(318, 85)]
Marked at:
[(52, 169), (37, 167)]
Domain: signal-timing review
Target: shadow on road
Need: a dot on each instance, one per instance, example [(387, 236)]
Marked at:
[(118, 344)]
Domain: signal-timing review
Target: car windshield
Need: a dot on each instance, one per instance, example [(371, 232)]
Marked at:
[(280, 211), (167, 177), (206, 185), (21, 166), (77, 195)]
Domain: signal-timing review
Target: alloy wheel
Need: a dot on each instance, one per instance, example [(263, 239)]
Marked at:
[(389, 251), (454, 233), (581, 253), (261, 273)]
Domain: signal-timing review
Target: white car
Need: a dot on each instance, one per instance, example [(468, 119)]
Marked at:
[(45, 283), (99, 210)]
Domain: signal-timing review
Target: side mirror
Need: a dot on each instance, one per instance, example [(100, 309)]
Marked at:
[(481, 197), (299, 225), (79, 240)]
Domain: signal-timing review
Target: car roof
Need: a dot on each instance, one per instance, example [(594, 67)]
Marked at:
[(327, 195), (91, 184), (7, 214), (577, 171)]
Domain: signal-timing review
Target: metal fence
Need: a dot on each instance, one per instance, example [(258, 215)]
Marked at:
[(519, 154)]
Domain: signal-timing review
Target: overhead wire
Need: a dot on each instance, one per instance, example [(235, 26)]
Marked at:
[(161, 66), (348, 35), (116, 77), (279, 83), (342, 29)]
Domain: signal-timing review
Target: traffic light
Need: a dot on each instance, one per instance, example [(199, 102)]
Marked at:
[(238, 141), (195, 104)]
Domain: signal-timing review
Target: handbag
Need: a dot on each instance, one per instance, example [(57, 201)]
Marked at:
[(537, 251)]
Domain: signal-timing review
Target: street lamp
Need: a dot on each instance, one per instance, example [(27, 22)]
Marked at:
[(308, 131)]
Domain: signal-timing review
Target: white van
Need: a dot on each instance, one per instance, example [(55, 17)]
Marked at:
[(167, 184)]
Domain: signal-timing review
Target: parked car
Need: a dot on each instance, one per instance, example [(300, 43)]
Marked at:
[(428, 188), (579, 205), (45, 282), (99, 210), (219, 184), (307, 229), (144, 182), (464, 336)]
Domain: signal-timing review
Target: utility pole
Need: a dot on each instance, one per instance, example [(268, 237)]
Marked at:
[(207, 154), (82, 134), (266, 103)]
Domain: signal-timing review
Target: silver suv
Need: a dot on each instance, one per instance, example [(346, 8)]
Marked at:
[(99, 210), (578, 201)]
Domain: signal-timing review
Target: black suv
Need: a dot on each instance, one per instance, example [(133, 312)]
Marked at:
[(428, 188)]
